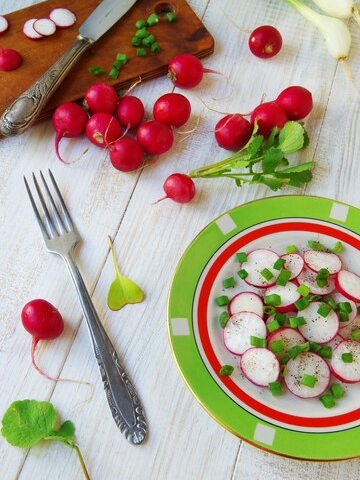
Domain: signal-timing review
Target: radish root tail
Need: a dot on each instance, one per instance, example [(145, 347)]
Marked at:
[(349, 75)]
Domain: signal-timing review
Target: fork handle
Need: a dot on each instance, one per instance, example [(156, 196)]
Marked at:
[(124, 403)]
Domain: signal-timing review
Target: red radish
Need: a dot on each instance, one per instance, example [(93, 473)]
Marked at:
[(288, 294), (233, 132), (346, 372), (28, 30), (173, 109), (4, 25), (351, 327), (62, 17), (44, 26), (348, 284), (178, 187), (308, 277), (69, 120), (246, 302), (130, 111), (339, 298), (294, 263), (268, 115), (101, 98), (155, 137), (265, 41), (186, 71), (318, 329), (238, 330), (256, 262), (307, 363), (316, 260), (102, 129), (289, 336), (9, 59), (260, 366), (126, 154), (296, 101)]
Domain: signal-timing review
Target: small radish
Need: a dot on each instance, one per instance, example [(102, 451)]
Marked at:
[(178, 187), (155, 137), (288, 294), (316, 261), (265, 41), (173, 109), (62, 17), (126, 154), (187, 71), (4, 25), (317, 328), (348, 372), (256, 262), (103, 129), (268, 115), (9, 59), (44, 26), (296, 102), (348, 284), (246, 302), (289, 336), (294, 263), (69, 120), (130, 111), (233, 132), (100, 98), (238, 330), (260, 366), (28, 30)]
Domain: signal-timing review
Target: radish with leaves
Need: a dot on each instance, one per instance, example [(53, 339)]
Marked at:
[(268, 115)]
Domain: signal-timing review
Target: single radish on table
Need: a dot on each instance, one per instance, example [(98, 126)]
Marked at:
[(102, 129), (130, 111), (296, 102), (155, 137), (9, 59), (187, 71), (179, 188), (173, 109), (268, 115), (265, 41), (101, 98), (4, 25), (233, 132), (126, 154)]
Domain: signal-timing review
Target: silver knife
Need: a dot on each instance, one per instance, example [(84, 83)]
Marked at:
[(24, 110)]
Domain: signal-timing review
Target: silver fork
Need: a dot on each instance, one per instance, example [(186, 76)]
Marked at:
[(60, 237)]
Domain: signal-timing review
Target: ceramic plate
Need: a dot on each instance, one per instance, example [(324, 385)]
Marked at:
[(285, 425)]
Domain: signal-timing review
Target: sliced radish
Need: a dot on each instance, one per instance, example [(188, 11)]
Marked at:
[(288, 294), (316, 260), (239, 328), (351, 327), (289, 336), (294, 263), (346, 372), (348, 284), (4, 25), (260, 366), (288, 315), (246, 302), (62, 17), (307, 363), (44, 26), (308, 278), (339, 298), (318, 329), (257, 261), (28, 30)]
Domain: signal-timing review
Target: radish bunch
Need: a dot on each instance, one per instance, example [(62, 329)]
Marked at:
[(36, 28), (296, 322)]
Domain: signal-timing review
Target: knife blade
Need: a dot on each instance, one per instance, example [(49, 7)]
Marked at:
[(25, 109)]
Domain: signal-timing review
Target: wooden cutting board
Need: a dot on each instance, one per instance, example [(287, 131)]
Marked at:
[(186, 35)]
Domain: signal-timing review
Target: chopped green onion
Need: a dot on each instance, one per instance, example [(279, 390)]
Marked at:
[(222, 300), (284, 277), (280, 262), (155, 47), (257, 342), (141, 52), (329, 300), (114, 73), (273, 325), (291, 249), (337, 391), (302, 303), (226, 370), (142, 33), (283, 359), (297, 321), (315, 347), (148, 41), (223, 318), (171, 17), (268, 310), (273, 299), (355, 334), (280, 318), (96, 70), (327, 400), (315, 245), (304, 290), (308, 380), (275, 388), (344, 307), (140, 24), (344, 316), (277, 347), (136, 41), (152, 20), (117, 64), (242, 274), (347, 357), (322, 277), (338, 247), (266, 274), (324, 310), (296, 349), (229, 282), (325, 352), (241, 257)]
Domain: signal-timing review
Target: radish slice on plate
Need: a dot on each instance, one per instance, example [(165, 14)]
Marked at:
[(318, 329), (288, 294), (289, 336), (351, 327), (44, 26), (347, 372), (294, 263), (348, 284), (260, 366), (316, 260), (307, 363), (308, 278), (257, 261), (339, 298), (246, 302), (62, 17), (4, 25), (238, 330), (28, 30)]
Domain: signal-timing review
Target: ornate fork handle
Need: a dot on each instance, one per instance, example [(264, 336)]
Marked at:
[(123, 401), (24, 110)]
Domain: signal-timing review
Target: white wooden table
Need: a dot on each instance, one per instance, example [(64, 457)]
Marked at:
[(184, 442)]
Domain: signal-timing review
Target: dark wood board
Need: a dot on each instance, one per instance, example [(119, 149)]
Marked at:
[(186, 35)]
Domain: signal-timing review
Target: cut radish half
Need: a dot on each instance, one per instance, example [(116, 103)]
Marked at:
[(28, 30), (348, 284), (346, 372), (238, 330), (246, 302), (351, 327), (257, 261), (316, 260), (289, 336), (288, 294), (62, 17), (260, 366), (308, 278), (307, 363), (4, 25), (44, 26), (294, 263), (318, 329), (339, 298)]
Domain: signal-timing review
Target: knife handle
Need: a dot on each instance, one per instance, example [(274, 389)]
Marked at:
[(24, 110)]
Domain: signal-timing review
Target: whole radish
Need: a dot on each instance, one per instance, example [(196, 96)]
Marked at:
[(126, 154), (296, 102), (130, 111), (155, 137), (9, 59), (265, 41), (187, 71), (233, 132), (173, 109), (101, 98), (268, 115), (179, 187), (69, 120), (103, 129)]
